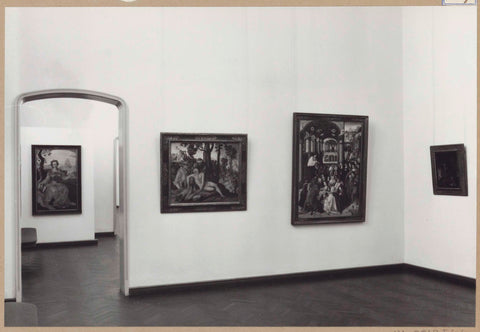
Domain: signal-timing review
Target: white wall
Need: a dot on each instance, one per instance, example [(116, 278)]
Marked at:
[(231, 70), (12, 88), (248, 71), (104, 129), (59, 228), (439, 73), (234, 70)]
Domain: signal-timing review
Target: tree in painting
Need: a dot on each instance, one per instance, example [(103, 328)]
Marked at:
[(204, 172)]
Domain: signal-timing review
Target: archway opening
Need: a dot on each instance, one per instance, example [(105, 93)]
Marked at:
[(56, 117)]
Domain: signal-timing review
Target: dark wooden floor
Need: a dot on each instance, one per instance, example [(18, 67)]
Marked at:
[(79, 286)]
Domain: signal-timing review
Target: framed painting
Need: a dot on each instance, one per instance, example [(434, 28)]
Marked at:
[(203, 172), (449, 170), (56, 179), (329, 168)]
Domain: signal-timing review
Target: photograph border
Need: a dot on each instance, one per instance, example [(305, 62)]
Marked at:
[(321, 3)]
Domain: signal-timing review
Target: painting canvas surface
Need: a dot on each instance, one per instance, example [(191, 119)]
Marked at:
[(56, 179), (447, 171), (329, 168), (216, 164), (204, 172)]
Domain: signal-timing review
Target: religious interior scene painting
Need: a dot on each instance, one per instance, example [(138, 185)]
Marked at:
[(329, 168), (203, 172), (56, 179)]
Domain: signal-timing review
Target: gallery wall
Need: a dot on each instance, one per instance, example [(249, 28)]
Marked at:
[(243, 71), (439, 73), (104, 130), (229, 70)]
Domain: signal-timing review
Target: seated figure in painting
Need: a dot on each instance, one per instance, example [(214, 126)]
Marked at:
[(52, 193), (205, 186), (188, 193), (181, 176), (330, 203)]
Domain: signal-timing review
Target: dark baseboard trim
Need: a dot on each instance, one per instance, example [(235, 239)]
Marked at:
[(461, 280), (104, 234), (11, 300), (64, 244), (315, 275), (329, 274)]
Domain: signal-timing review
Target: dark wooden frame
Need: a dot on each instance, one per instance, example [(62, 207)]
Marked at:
[(165, 142), (78, 209), (295, 171), (459, 149)]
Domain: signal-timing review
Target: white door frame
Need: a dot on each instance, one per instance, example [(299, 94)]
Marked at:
[(122, 215), (116, 181)]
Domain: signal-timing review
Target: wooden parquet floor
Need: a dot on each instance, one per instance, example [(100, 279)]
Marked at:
[(79, 286)]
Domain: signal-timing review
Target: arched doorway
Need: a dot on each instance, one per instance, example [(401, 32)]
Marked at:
[(120, 213)]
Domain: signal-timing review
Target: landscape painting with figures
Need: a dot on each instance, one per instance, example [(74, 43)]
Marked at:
[(56, 179), (203, 172), (329, 168)]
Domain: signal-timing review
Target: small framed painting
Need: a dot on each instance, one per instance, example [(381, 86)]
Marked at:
[(329, 168), (56, 179), (449, 169), (203, 172)]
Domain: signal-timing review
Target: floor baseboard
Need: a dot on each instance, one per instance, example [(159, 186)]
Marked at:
[(11, 300), (104, 234), (397, 297), (64, 244), (458, 279), (328, 274)]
